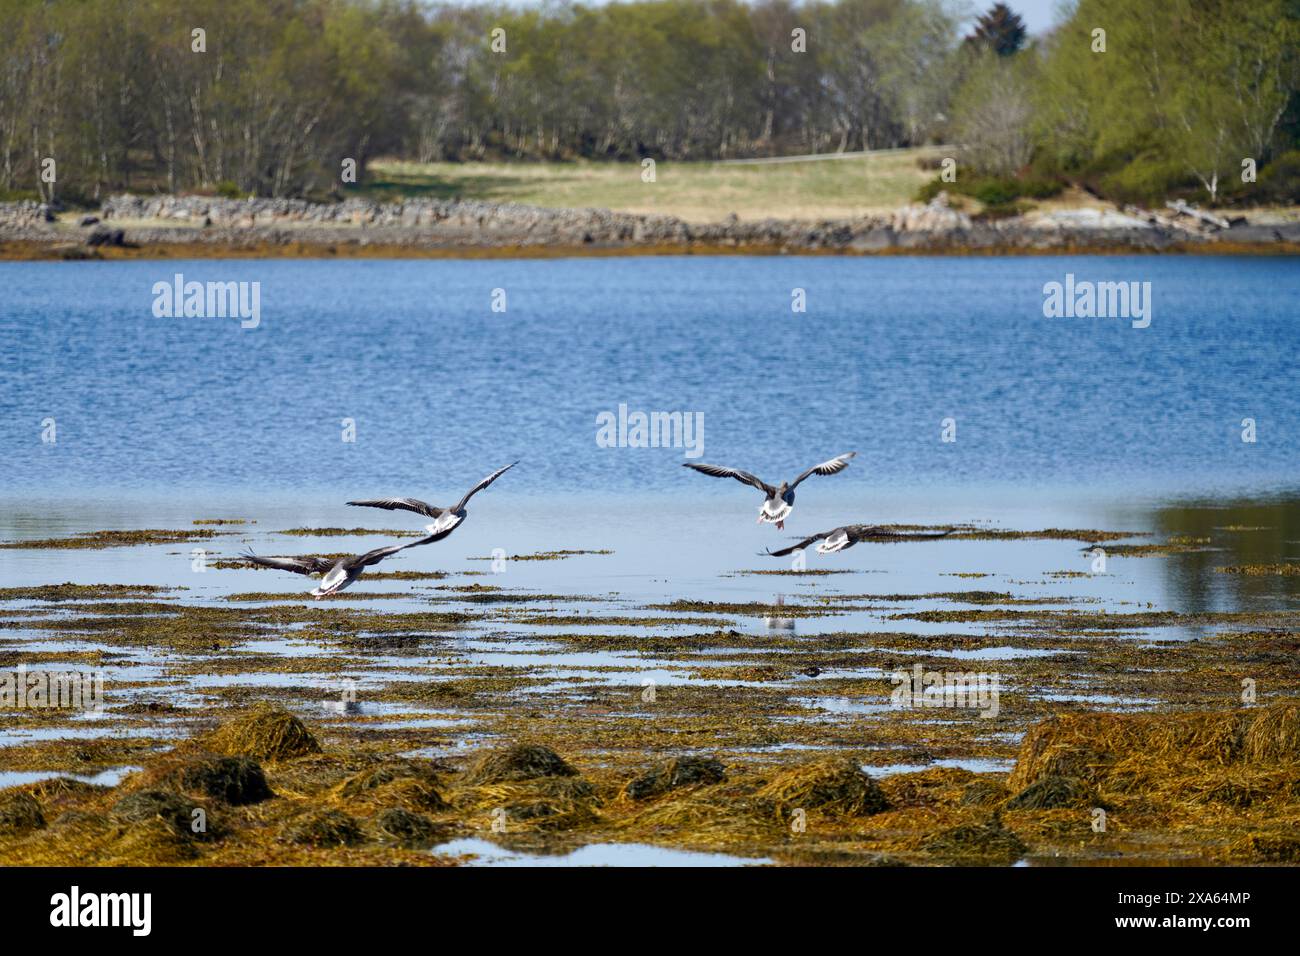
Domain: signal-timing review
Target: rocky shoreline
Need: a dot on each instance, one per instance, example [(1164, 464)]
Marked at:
[(419, 226)]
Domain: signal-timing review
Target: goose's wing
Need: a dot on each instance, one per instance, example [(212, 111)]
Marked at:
[(719, 471), (483, 484), (430, 539), (832, 467), (375, 556), (400, 504), (801, 545), (305, 565)]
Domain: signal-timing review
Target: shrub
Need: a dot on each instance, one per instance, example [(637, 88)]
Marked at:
[(993, 190), (1147, 181), (1280, 180)]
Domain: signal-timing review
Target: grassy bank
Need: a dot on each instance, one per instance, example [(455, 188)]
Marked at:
[(696, 192)]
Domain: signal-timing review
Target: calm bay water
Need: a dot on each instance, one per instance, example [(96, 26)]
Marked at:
[(442, 389)]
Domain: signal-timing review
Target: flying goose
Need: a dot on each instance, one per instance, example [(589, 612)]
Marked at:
[(445, 519), (339, 573), (779, 501), (838, 539)]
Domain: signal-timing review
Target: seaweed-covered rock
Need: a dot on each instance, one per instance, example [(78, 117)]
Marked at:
[(982, 793), (1274, 735), (373, 778), (1092, 746), (409, 786), (412, 793), (541, 802), (234, 780), (265, 734), (836, 785), (19, 813), (1053, 792), (171, 808), (407, 829), (520, 762), (556, 803), (325, 828), (152, 841), (985, 842), (673, 774)]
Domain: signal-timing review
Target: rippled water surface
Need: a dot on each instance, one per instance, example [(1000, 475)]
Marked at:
[(442, 389)]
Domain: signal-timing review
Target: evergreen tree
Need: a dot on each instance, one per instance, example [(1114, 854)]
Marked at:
[(999, 30)]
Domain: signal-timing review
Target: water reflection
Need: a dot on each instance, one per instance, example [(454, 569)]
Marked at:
[(775, 623), (486, 853), (1242, 533)]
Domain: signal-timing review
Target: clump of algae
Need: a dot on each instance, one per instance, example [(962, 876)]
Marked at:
[(1226, 780), (537, 803), (165, 806), (988, 841), (1107, 748), (114, 539), (1053, 792), (408, 829), (323, 828), (237, 781), (397, 784), (1274, 735), (527, 785), (520, 762), (836, 785), (80, 592), (983, 793), (149, 842), (19, 813), (1101, 746), (674, 774), (195, 772), (267, 733), (1278, 570)]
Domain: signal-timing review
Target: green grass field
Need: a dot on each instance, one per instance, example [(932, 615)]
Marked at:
[(696, 192)]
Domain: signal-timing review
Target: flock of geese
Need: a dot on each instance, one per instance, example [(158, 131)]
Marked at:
[(778, 502)]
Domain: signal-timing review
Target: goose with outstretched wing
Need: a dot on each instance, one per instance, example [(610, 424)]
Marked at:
[(778, 502), (339, 573), (837, 539), (444, 519)]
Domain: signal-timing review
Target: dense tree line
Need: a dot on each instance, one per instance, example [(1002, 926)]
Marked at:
[(275, 94), (1185, 93)]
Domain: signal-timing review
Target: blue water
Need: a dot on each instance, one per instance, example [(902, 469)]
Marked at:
[(442, 389)]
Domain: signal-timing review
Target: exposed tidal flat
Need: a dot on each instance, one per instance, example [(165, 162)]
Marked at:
[(586, 699)]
